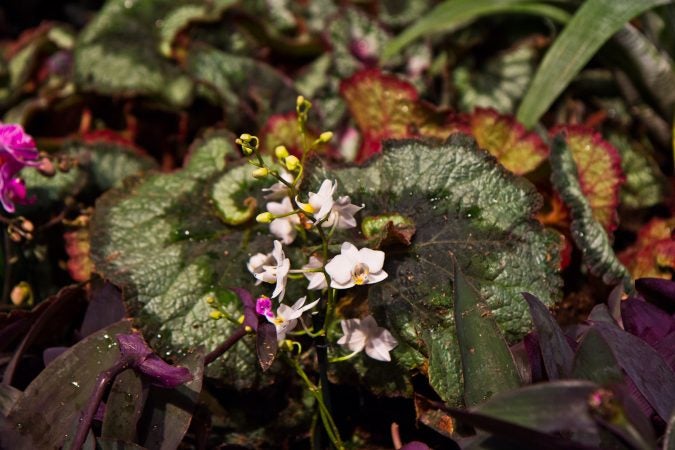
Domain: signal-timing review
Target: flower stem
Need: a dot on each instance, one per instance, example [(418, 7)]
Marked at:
[(326, 417), (344, 358), (225, 346)]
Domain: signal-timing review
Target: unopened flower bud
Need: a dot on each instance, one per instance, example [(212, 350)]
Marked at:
[(46, 167), (299, 101), (26, 225), (215, 315), (21, 293), (265, 217), (281, 152), (248, 143), (292, 163), (262, 172), (325, 137)]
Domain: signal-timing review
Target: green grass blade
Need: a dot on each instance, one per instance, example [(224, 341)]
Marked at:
[(454, 14), (592, 25)]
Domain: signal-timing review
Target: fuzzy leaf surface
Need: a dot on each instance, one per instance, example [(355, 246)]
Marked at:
[(162, 240), (464, 205)]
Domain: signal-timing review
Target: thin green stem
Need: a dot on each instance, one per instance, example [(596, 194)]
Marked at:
[(344, 358)]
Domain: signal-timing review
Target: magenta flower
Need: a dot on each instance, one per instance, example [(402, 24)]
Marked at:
[(17, 150)]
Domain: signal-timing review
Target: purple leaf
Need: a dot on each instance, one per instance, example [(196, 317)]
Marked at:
[(556, 352), (415, 445), (247, 300), (105, 307), (139, 356), (646, 321), (266, 344), (658, 291), (51, 353), (644, 365)]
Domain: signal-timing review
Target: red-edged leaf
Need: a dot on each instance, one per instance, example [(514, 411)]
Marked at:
[(653, 254), (382, 106), (79, 263), (282, 129), (507, 140), (599, 169)]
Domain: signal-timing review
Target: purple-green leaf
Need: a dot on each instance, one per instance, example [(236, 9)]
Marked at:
[(555, 349), (124, 407), (266, 344), (487, 363)]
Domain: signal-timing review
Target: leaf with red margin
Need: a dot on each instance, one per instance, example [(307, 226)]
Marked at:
[(282, 129), (77, 246), (507, 140), (653, 254), (382, 106), (599, 170)]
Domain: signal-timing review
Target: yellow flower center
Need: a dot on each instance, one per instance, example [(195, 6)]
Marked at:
[(360, 273)]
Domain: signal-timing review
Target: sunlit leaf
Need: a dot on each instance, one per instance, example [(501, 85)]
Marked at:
[(464, 205), (653, 254), (519, 151), (591, 26), (587, 232)]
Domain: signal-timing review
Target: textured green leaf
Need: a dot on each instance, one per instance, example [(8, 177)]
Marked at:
[(235, 208), (500, 83), (588, 234), (592, 25), (125, 38), (465, 205), (54, 400), (243, 94), (453, 14), (161, 239), (645, 184), (487, 364), (101, 164)]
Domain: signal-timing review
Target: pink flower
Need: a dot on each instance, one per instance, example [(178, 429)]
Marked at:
[(17, 150)]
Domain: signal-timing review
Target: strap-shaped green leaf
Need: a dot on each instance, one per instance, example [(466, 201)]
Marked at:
[(592, 25)]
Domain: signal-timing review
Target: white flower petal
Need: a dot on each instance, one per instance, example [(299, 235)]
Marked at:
[(350, 251), (354, 339), (374, 259), (340, 271), (376, 277)]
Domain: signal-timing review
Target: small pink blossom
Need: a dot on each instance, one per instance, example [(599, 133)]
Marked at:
[(17, 150)]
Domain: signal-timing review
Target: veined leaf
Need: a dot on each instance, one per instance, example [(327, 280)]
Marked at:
[(464, 205), (653, 255), (587, 232), (161, 238), (592, 25), (516, 149)]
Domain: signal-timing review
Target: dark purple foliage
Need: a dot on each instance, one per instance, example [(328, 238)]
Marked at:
[(247, 300), (658, 291), (138, 355)]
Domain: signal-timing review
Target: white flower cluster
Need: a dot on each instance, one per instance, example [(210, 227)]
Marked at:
[(350, 268)]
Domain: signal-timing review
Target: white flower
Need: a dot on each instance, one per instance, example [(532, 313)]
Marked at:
[(276, 273), (283, 227), (317, 280), (342, 214), (364, 333), (353, 266), (287, 316), (320, 203), (279, 190), (256, 262)]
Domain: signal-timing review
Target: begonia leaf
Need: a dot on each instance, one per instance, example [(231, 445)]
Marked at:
[(500, 83), (464, 205), (381, 105), (79, 263), (103, 161), (229, 194), (162, 240), (54, 400), (243, 96), (556, 351), (168, 412), (599, 172), (653, 254), (516, 149), (488, 367), (645, 184), (587, 232), (282, 129)]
